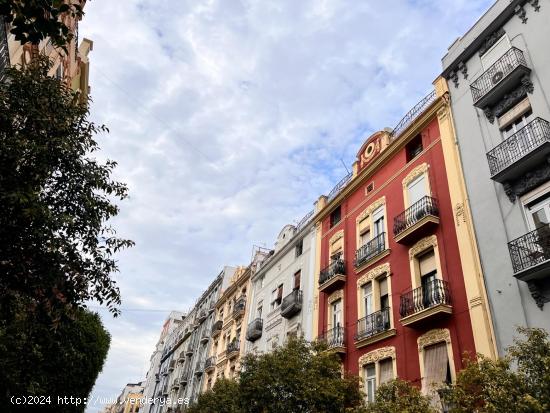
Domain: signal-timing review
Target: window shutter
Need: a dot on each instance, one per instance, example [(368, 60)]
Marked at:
[(427, 263), (383, 287)]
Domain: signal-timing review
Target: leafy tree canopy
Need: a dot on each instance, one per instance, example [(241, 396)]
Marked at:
[(34, 20), (55, 198), (400, 396), (299, 377)]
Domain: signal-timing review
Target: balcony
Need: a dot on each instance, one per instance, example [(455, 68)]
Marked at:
[(233, 349), (205, 337), (332, 277), (184, 379), (172, 365), (210, 364), (521, 152), (371, 251), (416, 221), (530, 254), (374, 327), (202, 315), (240, 306), (190, 350), (335, 339), (254, 330), (427, 303), (292, 304), (217, 328), (499, 79), (199, 368), (175, 385), (181, 357)]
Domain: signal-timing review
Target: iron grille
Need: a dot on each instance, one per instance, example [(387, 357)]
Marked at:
[(430, 294), (521, 143), (337, 267), (420, 209), (338, 187), (505, 65), (530, 249), (335, 337), (373, 324), (412, 114), (372, 248)]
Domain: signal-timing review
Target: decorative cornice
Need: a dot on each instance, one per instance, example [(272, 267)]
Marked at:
[(490, 41), (336, 236), (376, 355), (336, 295), (536, 293), (422, 245), (528, 181), (419, 170), (520, 12), (373, 274), (535, 4), (510, 99), (379, 202), (434, 336), (464, 69)]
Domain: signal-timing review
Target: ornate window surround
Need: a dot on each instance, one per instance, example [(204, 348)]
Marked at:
[(417, 249), (422, 169), (333, 239), (335, 296), (375, 274), (435, 336), (367, 214), (376, 356)]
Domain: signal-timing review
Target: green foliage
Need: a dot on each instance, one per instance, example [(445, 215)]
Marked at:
[(37, 360), (299, 377), (34, 20), (488, 386), (55, 198), (399, 396)]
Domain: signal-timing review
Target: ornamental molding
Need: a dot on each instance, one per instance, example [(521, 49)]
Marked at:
[(434, 336), (373, 274), (537, 294), (379, 202), (422, 245), (528, 181), (535, 4), (336, 295), (376, 355), (521, 13), (414, 173), (336, 236), (490, 41), (509, 100)]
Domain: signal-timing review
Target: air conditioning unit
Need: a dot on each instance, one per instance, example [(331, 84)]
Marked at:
[(497, 77)]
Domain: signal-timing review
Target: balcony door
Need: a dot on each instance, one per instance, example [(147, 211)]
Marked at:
[(428, 277), (538, 218), (495, 52), (336, 308), (416, 190), (538, 212)]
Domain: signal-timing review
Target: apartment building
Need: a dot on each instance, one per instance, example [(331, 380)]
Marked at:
[(282, 301), (399, 293), (499, 81)]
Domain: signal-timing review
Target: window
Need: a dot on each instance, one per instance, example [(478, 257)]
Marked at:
[(276, 297), (517, 124), (384, 296), (378, 221), (370, 381), (386, 370), (280, 293), (299, 248), (416, 190), (335, 216), (336, 309), (414, 148), (495, 52), (297, 276), (370, 188), (436, 366), (428, 279), (368, 301), (259, 309)]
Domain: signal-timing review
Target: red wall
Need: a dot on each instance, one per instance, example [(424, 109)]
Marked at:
[(405, 341)]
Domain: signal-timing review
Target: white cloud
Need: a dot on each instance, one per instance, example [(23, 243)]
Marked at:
[(229, 118)]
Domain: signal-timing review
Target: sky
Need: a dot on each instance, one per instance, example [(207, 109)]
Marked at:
[(228, 119)]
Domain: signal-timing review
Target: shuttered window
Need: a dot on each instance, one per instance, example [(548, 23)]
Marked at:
[(436, 366)]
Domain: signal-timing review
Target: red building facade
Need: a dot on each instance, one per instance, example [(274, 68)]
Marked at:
[(392, 297)]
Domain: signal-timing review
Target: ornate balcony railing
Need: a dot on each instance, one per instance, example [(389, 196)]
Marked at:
[(433, 293), (240, 305), (233, 347), (412, 114), (511, 60), (372, 324), (217, 327), (337, 267), (335, 337), (292, 304), (210, 363), (420, 209), (4, 51), (530, 249), (199, 368), (254, 330), (339, 186), (372, 248), (304, 221), (521, 143)]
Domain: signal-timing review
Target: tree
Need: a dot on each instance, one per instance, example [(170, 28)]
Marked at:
[(55, 246), (34, 20), (399, 396), (519, 382), (40, 361), (299, 377)]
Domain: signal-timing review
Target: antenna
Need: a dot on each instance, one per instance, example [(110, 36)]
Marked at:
[(344, 165)]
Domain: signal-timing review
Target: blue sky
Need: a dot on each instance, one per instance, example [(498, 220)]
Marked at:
[(228, 120)]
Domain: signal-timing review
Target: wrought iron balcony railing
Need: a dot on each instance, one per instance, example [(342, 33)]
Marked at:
[(372, 324), (530, 249), (432, 293), (511, 60), (4, 52), (413, 214), (335, 337), (210, 363), (292, 304), (254, 330), (336, 267), (217, 327), (520, 144), (232, 347), (412, 114), (339, 186), (240, 305), (199, 368), (371, 249)]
